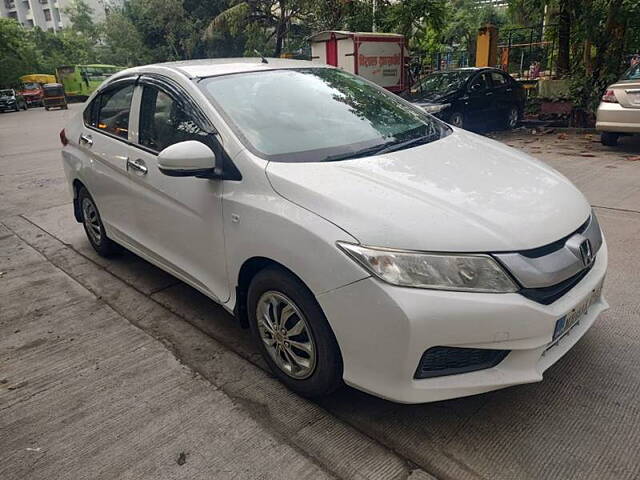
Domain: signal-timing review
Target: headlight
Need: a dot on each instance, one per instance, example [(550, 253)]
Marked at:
[(472, 273), (435, 108)]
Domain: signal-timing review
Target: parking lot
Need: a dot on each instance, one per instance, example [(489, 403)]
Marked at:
[(115, 369)]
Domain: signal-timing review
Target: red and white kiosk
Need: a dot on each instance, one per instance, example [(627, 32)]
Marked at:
[(378, 57)]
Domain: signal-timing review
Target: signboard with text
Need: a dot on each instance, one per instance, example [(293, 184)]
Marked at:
[(380, 61)]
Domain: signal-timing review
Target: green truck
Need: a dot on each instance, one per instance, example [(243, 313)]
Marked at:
[(81, 80)]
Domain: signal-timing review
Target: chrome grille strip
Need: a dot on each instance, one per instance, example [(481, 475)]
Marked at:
[(557, 266)]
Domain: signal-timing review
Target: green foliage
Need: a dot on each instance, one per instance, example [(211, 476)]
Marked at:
[(18, 52)]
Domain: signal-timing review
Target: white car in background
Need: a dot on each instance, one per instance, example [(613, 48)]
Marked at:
[(361, 239), (619, 110)]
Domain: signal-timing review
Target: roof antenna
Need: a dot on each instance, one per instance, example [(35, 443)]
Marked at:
[(263, 60)]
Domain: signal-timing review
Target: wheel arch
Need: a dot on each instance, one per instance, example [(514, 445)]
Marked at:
[(247, 272), (77, 185)]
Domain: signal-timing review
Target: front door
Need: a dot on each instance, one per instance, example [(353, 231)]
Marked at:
[(179, 219)]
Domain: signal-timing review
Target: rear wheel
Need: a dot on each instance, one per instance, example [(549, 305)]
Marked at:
[(93, 226), (512, 118), (609, 139), (293, 334)]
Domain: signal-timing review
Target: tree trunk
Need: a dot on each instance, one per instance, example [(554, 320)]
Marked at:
[(563, 63), (281, 28), (606, 66)]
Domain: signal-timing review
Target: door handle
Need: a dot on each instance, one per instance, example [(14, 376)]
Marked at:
[(489, 93), (137, 165), (85, 140)]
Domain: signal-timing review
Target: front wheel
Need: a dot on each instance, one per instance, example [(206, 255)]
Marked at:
[(293, 334), (609, 139), (457, 119)]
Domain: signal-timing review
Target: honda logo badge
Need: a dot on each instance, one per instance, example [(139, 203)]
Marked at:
[(586, 253)]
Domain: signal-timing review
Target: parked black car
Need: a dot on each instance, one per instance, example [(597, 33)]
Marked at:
[(10, 100), (471, 96)]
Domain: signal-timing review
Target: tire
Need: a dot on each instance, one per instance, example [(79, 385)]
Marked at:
[(457, 119), (320, 369), (512, 118), (609, 139), (93, 227)]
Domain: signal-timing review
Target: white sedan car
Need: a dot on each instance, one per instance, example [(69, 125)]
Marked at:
[(362, 240)]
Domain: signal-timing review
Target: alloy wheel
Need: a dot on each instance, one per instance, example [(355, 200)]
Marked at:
[(91, 220), (286, 335), (512, 119), (457, 120)]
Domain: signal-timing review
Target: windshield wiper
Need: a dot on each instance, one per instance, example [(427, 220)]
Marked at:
[(365, 152), (384, 148), (409, 143)]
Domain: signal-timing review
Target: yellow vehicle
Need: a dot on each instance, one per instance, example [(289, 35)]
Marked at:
[(31, 88)]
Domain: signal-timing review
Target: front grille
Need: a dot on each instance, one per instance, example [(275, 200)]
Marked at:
[(548, 295), (554, 246), (440, 361)]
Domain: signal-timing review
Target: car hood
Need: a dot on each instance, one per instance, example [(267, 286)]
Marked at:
[(7, 97), (462, 193)]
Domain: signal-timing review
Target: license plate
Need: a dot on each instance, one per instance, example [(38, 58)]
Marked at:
[(634, 97), (571, 319)]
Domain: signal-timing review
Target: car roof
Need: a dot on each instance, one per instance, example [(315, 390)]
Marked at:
[(210, 67)]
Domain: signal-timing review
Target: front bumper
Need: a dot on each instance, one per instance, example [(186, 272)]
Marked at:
[(613, 117), (383, 331)]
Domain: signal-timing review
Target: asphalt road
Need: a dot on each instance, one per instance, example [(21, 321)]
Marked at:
[(114, 369)]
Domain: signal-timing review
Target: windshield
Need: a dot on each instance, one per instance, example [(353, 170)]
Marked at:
[(315, 114), (6, 93), (31, 86), (442, 83), (633, 73)]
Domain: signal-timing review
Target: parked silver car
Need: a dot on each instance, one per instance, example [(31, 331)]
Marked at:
[(619, 110)]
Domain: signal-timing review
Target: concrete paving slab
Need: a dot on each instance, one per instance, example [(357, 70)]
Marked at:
[(60, 222), (305, 425), (85, 394)]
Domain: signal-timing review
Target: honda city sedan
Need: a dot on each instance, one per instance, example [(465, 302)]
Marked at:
[(471, 97), (362, 240)]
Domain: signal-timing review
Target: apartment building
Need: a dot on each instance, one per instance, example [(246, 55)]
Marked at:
[(46, 14)]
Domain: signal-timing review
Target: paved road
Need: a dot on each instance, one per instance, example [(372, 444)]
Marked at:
[(114, 368)]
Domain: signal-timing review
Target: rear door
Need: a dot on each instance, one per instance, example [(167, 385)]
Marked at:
[(502, 92), (480, 102), (179, 221), (104, 139)]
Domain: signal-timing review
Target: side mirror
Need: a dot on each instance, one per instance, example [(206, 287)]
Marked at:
[(189, 159), (475, 87)]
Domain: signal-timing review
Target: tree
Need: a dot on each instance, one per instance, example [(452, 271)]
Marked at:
[(18, 52)]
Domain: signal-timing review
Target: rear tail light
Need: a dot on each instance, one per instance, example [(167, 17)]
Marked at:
[(63, 138), (609, 97)]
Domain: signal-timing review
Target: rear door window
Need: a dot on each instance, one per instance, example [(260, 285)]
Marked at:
[(499, 80), (109, 112)]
